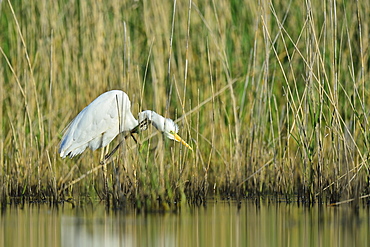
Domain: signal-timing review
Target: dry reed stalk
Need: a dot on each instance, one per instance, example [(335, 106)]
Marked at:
[(249, 86)]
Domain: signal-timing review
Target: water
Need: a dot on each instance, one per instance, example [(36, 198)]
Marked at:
[(217, 224)]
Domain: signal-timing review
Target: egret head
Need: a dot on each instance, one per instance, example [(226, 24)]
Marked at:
[(166, 125)]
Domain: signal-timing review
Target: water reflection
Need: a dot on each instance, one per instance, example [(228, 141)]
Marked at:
[(218, 224)]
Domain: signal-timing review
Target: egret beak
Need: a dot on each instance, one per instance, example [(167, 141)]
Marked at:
[(177, 138)]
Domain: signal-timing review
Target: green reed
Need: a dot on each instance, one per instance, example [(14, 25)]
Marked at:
[(272, 96)]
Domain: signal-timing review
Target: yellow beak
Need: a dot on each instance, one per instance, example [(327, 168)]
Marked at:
[(177, 138)]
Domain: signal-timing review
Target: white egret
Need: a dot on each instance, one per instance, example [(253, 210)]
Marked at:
[(104, 118)]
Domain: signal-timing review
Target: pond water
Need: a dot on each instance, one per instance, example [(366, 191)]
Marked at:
[(217, 224)]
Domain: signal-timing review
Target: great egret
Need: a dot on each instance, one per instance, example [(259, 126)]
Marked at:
[(104, 118)]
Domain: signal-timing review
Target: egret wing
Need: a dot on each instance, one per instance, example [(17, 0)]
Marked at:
[(97, 124)]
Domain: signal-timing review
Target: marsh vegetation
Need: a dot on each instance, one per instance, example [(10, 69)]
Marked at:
[(272, 96)]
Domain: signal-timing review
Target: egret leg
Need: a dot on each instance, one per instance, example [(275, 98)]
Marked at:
[(105, 178), (109, 155), (102, 153)]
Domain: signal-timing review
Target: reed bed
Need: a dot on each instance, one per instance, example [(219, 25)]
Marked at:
[(272, 96)]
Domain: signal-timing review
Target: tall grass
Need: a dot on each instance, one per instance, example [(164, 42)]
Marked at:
[(271, 95)]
